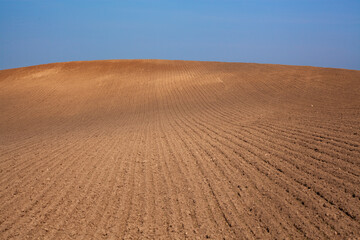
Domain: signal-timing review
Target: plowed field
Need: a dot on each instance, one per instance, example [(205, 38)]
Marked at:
[(153, 149)]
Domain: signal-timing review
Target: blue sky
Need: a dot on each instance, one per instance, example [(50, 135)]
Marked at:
[(296, 32)]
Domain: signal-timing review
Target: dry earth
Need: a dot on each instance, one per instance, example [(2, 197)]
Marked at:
[(137, 149)]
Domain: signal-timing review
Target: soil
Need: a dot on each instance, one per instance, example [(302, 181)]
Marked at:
[(155, 149)]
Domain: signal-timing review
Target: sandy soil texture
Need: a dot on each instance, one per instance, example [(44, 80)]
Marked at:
[(153, 149)]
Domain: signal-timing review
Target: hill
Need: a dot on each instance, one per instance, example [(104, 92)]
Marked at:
[(179, 149)]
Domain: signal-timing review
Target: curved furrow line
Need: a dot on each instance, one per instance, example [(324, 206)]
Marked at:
[(234, 180), (212, 115), (223, 121), (314, 174), (211, 199), (199, 89), (101, 193), (347, 145), (27, 145), (198, 165), (127, 188), (139, 214), (51, 190), (137, 204), (333, 166), (244, 130), (234, 177), (320, 133), (295, 201), (207, 155), (176, 228), (169, 200), (221, 108), (103, 199), (10, 149), (38, 168), (298, 129), (130, 193), (196, 217), (321, 127), (163, 200), (136, 149), (103, 229), (341, 145), (55, 127), (115, 225), (73, 209), (246, 148), (186, 195), (163, 197), (46, 162), (178, 165), (146, 212), (332, 176), (212, 208), (54, 163), (51, 179), (134, 176), (323, 155)]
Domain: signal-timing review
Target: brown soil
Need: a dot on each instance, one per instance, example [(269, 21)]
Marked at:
[(136, 149)]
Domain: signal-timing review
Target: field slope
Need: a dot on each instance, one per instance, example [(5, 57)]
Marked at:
[(136, 149)]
